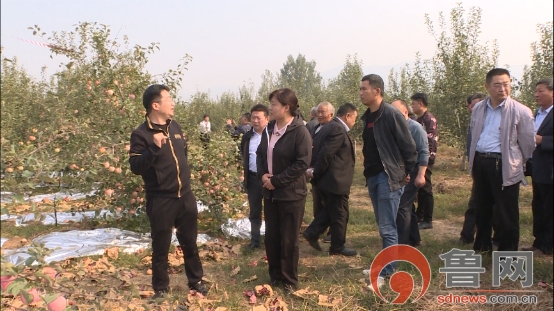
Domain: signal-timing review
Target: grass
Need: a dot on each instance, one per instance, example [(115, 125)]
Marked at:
[(342, 277)]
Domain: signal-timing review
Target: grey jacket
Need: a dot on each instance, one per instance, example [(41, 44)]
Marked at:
[(395, 144), (422, 143), (517, 137)]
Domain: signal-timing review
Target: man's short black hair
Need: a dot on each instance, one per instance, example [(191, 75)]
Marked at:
[(421, 97), (546, 82), (247, 116), (375, 81), (260, 107), (346, 108), (478, 95), (496, 72), (153, 94), (205, 115)]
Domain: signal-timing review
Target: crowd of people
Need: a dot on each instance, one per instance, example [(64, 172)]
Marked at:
[(281, 153)]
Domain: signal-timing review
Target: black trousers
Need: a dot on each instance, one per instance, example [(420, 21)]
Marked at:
[(164, 214), (317, 200), (542, 217), (254, 190), (282, 229), (468, 228), (406, 219), (334, 214), (494, 200), (425, 199)]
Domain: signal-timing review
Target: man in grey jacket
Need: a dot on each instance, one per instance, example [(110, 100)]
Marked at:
[(406, 220), (503, 138)]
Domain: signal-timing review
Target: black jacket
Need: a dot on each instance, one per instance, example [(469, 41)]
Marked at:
[(291, 159), (395, 144), (542, 156), (317, 142), (334, 166), (165, 170)]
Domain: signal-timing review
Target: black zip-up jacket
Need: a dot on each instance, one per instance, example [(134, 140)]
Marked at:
[(165, 170), (291, 159), (395, 144)]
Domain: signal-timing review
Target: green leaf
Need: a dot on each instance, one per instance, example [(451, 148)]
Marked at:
[(30, 261), (18, 198), (27, 296)]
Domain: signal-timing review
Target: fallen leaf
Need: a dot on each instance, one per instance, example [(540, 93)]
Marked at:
[(252, 278), (353, 266), (220, 309), (146, 293), (259, 308), (262, 290), (252, 300), (545, 285), (235, 271), (276, 304), (328, 301), (305, 292), (253, 264), (149, 272)]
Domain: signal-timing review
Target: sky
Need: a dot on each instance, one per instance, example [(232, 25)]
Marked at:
[(234, 42)]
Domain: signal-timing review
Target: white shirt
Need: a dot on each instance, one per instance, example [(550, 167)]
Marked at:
[(345, 126), (252, 147), (205, 127)]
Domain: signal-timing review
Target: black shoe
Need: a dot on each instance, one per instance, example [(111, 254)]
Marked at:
[(327, 239), (313, 242), (274, 283), (425, 225), (200, 287), (159, 294), (348, 252), (415, 244), (252, 247), (289, 289)]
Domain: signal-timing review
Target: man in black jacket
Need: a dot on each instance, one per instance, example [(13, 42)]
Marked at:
[(333, 174), (259, 115), (542, 170), (389, 156), (159, 154)]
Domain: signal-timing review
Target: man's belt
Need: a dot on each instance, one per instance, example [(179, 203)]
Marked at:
[(493, 155)]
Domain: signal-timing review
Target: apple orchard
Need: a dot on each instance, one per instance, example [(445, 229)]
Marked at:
[(72, 129)]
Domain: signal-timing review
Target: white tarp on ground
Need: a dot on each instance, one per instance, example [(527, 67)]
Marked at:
[(66, 217), (6, 196), (239, 228), (77, 243), (3, 240)]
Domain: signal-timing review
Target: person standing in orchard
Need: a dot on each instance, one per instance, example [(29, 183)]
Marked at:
[(259, 115), (389, 157), (502, 140), (159, 154), (283, 156), (425, 198), (542, 170)]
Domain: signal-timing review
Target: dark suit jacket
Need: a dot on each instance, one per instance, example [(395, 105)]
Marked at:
[(317, 142), (542, 156), (334, 167), (245, 153)]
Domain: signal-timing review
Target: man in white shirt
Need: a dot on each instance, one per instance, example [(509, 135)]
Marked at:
[(205, 129), (259, 117)]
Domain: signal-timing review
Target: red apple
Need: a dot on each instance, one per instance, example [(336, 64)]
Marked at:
[(127, 147), (33, 292), (58, 305), (132, 201), (112, 169), (118, 170), (132, 96), (6, 280), (134, 194), (31, 138), (109, 192)]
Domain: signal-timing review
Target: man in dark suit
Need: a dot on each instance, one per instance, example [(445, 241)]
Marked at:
[(324, 114), (332, 174), (259, 116), (542, 170)]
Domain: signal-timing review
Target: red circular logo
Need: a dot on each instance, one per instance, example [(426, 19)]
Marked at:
[(401, 282)]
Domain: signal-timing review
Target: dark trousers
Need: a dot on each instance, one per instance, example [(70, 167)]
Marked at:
[(282, 229), (164, 214), (334, 214), (406, 219), (542, 217), (425, 199), (254, 190), (494, 200), (318, 200), (468, 228)]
